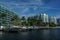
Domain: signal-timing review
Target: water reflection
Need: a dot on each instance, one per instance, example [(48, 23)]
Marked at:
[(1, 34), (24, 33), (45, 34)]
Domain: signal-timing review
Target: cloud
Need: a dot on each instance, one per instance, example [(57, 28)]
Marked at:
[(13, 4), (29, 7), (23, 2)]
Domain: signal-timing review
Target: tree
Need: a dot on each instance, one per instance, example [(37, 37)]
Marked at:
[(17, 23), (23, 21), (15, 18), (39, 22), (23, 18), (34, 21), (51, 24), (4, 21), (3, 15), (29, 20)]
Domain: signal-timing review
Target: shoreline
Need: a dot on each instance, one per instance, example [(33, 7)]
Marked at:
[(15, 30)]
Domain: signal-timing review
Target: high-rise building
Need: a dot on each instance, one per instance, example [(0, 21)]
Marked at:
[(44, 17), (53, 19), (9, 15)]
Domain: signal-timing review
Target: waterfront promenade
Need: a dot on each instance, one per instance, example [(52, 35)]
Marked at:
[(28, 28), (25, 29), (35, 27)]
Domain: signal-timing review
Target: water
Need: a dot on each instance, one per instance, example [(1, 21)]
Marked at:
[(48, 34)]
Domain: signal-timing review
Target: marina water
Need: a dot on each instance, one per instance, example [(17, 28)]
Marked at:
[(46, 34)]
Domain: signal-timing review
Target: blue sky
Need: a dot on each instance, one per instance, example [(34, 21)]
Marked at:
[(33, 7)]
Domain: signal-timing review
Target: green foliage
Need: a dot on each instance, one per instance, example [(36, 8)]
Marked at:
[(34, 21), (58, 24), (4, 21), (17, 23), (15, 18), (3, 15), (52, 24), (23, 18), (23, 23)]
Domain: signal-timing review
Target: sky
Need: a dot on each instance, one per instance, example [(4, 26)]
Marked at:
[(33, 7)]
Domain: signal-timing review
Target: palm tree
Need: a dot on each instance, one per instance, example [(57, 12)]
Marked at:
[(17, 23), (23, 18), (15, 20), (23, 21), (29, 19)]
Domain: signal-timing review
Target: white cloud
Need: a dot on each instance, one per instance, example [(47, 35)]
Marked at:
[(26, 5)]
